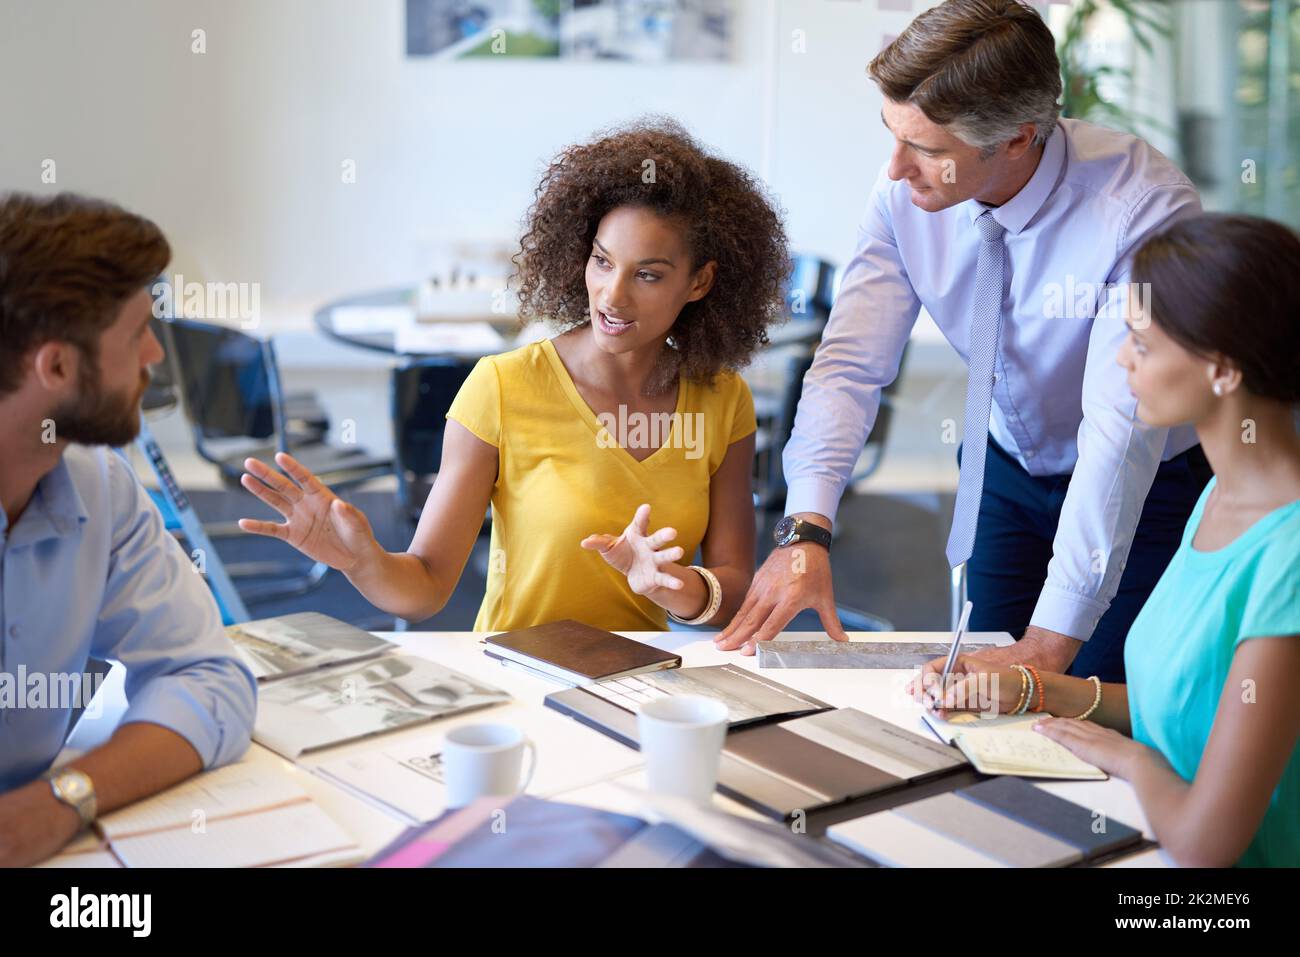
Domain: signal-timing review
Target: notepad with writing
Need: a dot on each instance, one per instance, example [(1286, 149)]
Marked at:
[(1008, 744), (578, 654), (1023, 752), (948, 729)]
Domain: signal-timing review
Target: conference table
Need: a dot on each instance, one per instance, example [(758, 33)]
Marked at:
[(579, 765), (373, 320)]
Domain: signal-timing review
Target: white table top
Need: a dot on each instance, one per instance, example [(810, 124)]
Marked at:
[(607, 774)]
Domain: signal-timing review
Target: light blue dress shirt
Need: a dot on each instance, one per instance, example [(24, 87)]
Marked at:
[(90, 571), (1061, 404)]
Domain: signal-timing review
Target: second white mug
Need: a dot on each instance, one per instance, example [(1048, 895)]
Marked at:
[(681, 741)]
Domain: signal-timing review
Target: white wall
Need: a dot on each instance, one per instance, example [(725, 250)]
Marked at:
[(237, 152)]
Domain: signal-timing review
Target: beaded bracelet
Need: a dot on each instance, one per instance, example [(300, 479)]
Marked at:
[(715, 599), (1096, 700), (1042, 692)]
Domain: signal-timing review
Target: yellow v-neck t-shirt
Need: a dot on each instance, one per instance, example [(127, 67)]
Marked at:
[(563, 475)]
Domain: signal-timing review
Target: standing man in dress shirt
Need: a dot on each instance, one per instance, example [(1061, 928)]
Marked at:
[(86, 567), (1015, 229)]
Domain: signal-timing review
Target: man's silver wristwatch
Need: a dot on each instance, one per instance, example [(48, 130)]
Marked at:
[(76, 790), (790, 530)]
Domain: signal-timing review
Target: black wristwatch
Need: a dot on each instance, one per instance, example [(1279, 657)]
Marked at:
[(790, 530)]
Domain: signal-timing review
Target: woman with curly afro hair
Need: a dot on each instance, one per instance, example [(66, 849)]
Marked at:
[(660, 267)]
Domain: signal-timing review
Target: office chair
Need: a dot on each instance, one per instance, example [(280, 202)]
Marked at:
[(230, 390), (811, 290), (305, 417), (420, 395), (230, 387)]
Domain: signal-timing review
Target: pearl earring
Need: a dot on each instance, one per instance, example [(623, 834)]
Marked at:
[(1218, 388)]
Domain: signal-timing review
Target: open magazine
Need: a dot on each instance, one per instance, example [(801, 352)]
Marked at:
[(325, 682), (296, 644)]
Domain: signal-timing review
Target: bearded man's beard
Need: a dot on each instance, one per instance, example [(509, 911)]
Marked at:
[(96, 417)]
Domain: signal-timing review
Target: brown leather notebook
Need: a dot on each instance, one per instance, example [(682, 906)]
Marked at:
[(575, 653)]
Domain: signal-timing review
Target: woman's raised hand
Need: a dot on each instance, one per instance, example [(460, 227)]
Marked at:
[(316, 521), (638, 554)]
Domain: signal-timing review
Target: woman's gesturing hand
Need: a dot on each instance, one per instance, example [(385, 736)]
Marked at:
[(638, 555), (316, 521)]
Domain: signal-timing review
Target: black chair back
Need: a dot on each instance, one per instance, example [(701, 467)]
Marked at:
[(228, 381), (422, 392), (773, 482), (811, 290)]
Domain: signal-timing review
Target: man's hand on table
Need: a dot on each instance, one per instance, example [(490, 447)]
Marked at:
[(793, 578), (34, 824)]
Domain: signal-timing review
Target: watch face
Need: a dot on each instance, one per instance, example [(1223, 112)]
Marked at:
[(74, 787), (784, 531)]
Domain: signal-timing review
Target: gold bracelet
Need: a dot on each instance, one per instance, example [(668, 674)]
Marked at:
[(1024, 688), (714, 603), (1033, 687), (1096, 700)]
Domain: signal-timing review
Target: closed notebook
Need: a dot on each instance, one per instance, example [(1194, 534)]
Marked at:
[(1072, 823), (988, 832), (1004, 822), (578, 654), (891, 840)]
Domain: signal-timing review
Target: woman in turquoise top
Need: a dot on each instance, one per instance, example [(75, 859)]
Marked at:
[(1206, 729)]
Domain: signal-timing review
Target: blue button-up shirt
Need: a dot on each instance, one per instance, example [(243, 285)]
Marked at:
[(90, 571), (1061, 403)]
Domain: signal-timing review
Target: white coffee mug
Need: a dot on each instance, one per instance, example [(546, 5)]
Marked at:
[(681, 741), (481, 760)]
